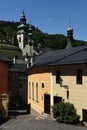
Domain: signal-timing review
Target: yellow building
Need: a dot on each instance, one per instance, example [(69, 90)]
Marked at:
[(59, 76)]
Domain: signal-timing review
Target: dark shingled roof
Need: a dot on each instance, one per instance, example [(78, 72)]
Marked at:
[(74, 55), (19, 66), (4, 58)]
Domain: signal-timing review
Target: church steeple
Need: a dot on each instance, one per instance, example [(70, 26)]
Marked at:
[(69, 37), (23, 18), (25, 40), (30, 32), (22, 31)]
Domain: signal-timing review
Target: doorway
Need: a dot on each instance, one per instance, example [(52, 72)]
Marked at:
[(47, 103)]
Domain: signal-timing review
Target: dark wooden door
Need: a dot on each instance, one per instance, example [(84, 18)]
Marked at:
[(47, 103), (84, 113)]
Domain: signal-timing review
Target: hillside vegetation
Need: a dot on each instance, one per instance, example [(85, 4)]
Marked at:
[(53, 41)]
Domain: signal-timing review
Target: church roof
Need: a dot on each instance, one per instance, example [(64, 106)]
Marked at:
[(10, 50), (5, 58), (75, 55), (23, 15), (22, 26), (4, 46), (23, 18), (21, 32), (69, 28)]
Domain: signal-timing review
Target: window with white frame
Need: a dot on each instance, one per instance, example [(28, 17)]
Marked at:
[(29, 89), (36, 92), (32, 90), (42, 85)]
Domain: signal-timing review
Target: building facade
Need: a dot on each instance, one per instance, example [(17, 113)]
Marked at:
[(17, 84), (4, 65), (59, 76)]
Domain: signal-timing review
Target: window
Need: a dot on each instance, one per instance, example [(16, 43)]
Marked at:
[(36, 92), (29, 90), (79, 76), (20, 86), (58, 77), (19, 39), (43, 86), (33, 91)]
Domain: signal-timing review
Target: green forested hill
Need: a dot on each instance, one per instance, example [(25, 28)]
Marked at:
[(8, 27), (53, 41)]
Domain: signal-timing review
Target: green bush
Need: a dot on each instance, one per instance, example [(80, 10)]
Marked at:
[(66, 113)]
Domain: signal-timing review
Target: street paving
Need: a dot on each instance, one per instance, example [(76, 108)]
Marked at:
[(34, 121)]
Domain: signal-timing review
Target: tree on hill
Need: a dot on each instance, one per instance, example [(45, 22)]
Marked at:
[(53, 41)]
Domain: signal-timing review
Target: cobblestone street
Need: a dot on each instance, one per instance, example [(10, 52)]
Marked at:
[(36, 122)]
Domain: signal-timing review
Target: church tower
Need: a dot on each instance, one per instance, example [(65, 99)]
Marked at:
[(25, 40), (22, 32), (69, 37)]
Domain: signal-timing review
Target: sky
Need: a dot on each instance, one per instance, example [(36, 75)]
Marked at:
[(50, 16)]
